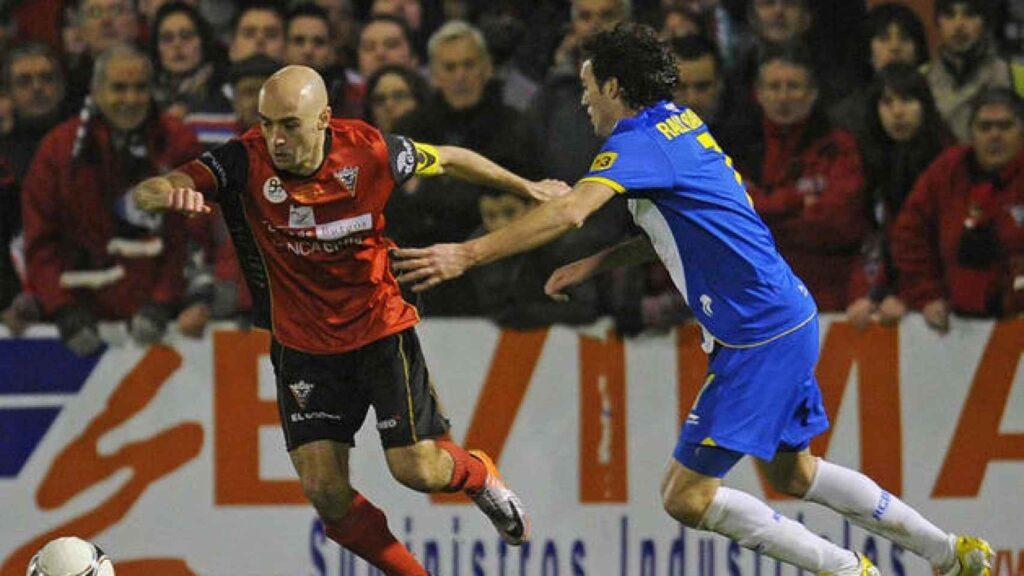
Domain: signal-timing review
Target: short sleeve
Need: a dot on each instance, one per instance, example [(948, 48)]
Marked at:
[(401, 157), (224, 168), (631, 161)]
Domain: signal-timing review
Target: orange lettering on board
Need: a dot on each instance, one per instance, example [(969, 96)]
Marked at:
[(1003, 564), (876, 353), (603, 443), (80, 466), (508, 379), (977, 440), (239, 413)]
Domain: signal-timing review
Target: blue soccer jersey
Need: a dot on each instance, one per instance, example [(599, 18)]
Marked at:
[(684, 193)]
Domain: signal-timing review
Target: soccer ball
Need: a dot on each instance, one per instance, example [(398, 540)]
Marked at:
[(70, 556)]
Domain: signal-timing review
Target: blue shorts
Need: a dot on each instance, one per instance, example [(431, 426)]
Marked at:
[(755, 401)]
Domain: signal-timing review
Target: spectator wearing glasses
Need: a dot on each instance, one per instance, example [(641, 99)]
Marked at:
[(958, 242), (187, 63)]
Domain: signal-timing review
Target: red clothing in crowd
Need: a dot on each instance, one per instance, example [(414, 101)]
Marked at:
[(821, 239), (74, 207), (927, 239), (313, 248)]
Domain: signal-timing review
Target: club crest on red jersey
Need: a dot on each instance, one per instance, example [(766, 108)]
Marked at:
[(347, 177)]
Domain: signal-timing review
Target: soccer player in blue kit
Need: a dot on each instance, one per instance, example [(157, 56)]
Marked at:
[(760, 324)]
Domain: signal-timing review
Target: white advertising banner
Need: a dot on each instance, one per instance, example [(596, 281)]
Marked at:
[(171, 459)]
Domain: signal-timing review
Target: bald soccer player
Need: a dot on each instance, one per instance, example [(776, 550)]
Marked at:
[(303, 196)]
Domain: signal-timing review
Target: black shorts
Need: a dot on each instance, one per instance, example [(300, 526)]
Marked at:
[(326, 396)]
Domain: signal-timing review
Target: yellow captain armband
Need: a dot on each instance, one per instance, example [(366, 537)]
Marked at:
[(428, 160)]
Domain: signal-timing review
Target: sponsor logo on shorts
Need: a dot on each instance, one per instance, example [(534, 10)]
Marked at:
[(388, 423), (301, 390), (274, 191), (307, 416)]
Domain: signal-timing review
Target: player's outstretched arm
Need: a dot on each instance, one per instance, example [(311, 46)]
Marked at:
[(636, 250), (471, 166), (173, 192), (427, 267)]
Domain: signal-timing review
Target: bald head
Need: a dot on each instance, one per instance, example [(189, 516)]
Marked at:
[(294, 115), (300, 89)]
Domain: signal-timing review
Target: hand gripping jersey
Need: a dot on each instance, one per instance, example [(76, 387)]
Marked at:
[(313, 248), (684, 193)]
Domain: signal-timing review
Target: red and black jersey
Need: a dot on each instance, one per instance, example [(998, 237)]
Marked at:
[(313, 248)]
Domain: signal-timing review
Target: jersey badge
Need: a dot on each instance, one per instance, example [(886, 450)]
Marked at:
[(274, 191), (603, 161), (347, 177)]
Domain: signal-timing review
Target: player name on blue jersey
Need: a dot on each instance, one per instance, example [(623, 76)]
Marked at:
[(684, 193)]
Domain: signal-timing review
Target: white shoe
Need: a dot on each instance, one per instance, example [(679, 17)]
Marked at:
[(501, 504)]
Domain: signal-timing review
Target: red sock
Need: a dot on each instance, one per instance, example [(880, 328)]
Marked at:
[(468, 473), (364, 531)]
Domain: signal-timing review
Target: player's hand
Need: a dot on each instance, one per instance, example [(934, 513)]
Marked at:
[(858, 313), (567, 276), (187, 201), (425, 268), (545, 190), (936, 314), (891, 311)]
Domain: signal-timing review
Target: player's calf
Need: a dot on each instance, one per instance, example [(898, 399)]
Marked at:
[(423, 466)]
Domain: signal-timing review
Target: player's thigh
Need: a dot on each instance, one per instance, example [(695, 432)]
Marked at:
[(394, 376), (323, 469), (791, 472), (686, 494)]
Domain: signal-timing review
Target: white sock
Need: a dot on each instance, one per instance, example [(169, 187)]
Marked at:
[(860, 499), (754, 525)]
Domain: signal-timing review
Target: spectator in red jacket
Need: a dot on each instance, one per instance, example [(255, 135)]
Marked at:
[(806, 181), (959, 241), (89, 254)]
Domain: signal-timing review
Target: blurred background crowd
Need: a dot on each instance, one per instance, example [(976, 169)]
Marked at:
[(882, 142)]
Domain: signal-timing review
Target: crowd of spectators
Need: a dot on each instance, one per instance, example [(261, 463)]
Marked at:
[(889, 165)]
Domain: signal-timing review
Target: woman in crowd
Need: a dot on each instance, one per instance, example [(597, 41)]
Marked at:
[(902, 135), (392, 92), (892, 33), (187, 60)]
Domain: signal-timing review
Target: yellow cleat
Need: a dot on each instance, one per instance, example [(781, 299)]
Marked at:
[(973, 557), (865, 567)]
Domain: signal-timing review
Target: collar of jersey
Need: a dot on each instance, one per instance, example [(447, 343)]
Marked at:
[(639, 119), (319, 172)]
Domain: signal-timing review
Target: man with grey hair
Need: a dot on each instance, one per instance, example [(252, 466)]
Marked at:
[(466, 109), (117, 263)]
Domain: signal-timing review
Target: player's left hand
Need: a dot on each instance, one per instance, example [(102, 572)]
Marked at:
[(425, 268), (545, 190)]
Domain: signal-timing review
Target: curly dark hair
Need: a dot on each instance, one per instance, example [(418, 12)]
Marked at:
[(632, 53)]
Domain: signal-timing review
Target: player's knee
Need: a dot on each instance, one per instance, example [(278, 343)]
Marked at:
[(687, 507), (795, 485), (415, 470), (330, 496)]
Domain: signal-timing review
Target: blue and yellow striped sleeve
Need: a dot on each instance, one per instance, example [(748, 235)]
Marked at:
[(631, 162)]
